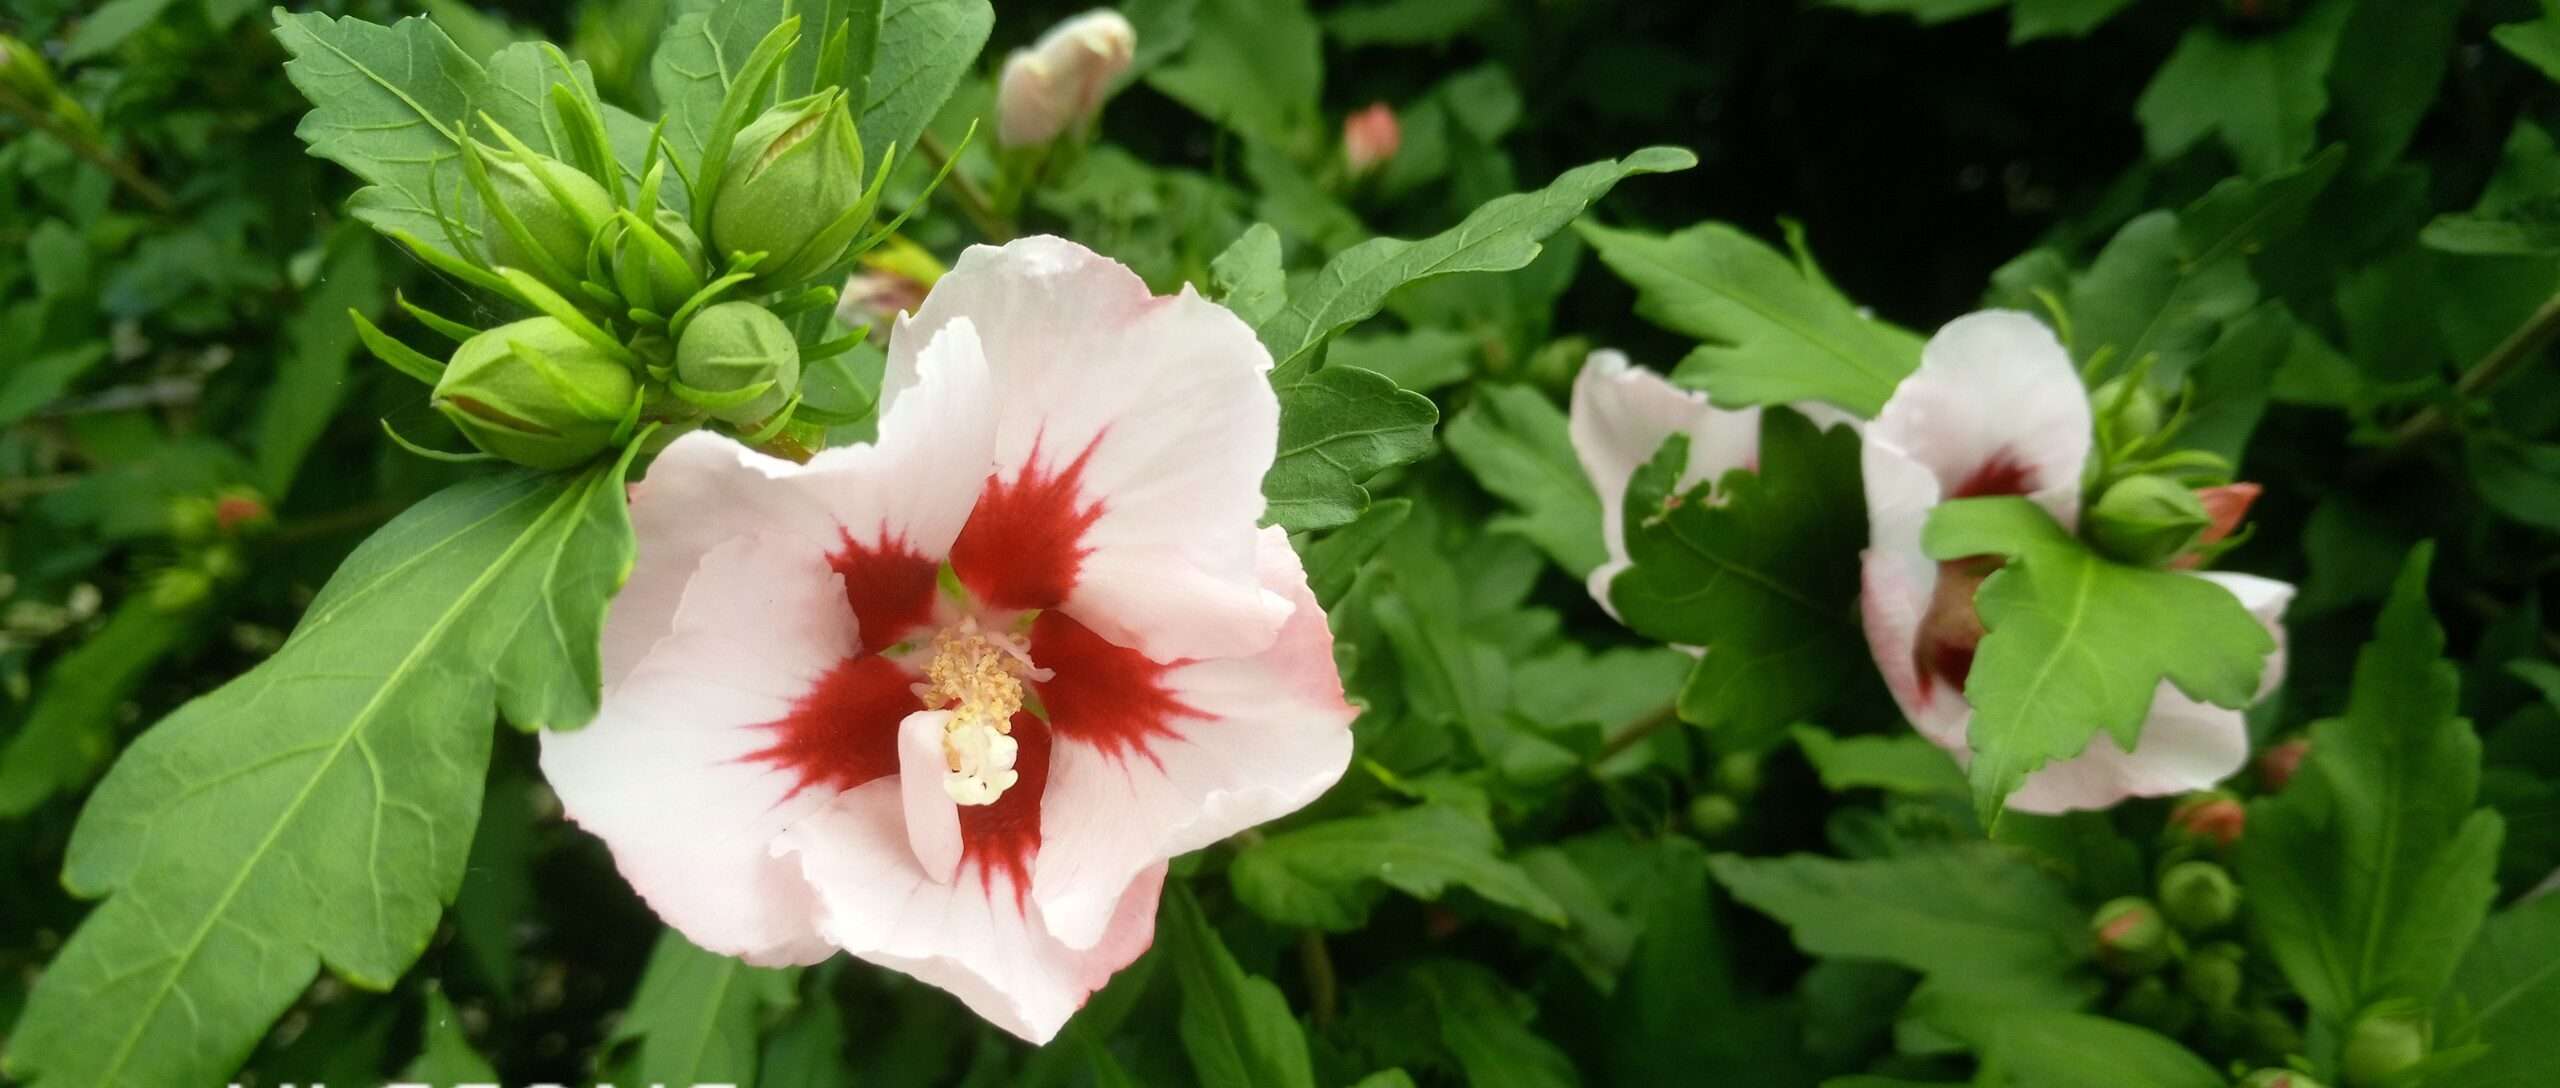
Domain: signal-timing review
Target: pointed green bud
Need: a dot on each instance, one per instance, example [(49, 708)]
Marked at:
[(2213, 975), (2390, 1037), (2131, 936), (2198, 896), (2147, 520), (793, 176), (2131, 408), (556, 231), (735, 346), (2278, 1078), (535, 393), (658, 267)]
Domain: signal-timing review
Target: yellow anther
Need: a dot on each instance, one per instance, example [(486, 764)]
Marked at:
[(979, 678)]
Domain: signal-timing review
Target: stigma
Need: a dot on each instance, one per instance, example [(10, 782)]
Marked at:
[(977, 675)]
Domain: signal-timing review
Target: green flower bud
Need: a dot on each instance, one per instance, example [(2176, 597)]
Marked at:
[(1714, 815), (2388, 1038), (222, 563), (2213, 975), (2198, 896), (557, 225), (178, 589), (2150, 1003), (2278, 1078), (2147, 520), (734, 347), (792, 189), (535, 393), (2130, 407), (2132, 937), (1738, 774), (656, 269), (192, 518)]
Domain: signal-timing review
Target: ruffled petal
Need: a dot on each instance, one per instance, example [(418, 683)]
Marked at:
[(1995, 408), (1151, 762), (1621, 414), (1131, 439), (984, 942), (666, 774)]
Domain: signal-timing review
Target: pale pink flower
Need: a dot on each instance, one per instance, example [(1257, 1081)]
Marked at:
[(951, 700), (1369, 138), (1996, 408), (1060, 81)]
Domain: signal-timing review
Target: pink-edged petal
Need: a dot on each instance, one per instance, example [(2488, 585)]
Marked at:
[(933, 819), (2185, 746), (887, 511), (667, 774), (986, 943), (1620, 415), (1149, 761), (1132, 435)]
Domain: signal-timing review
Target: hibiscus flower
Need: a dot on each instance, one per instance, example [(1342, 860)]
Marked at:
[(949, 701), (1996, 408)]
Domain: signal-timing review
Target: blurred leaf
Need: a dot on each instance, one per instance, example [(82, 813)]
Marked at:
[(2370, 874), (1334, 561), (71, 729), (1255, 66), (2520, 479), (1420, 360), (1329, 875), (695, 1015), (227, 837), (1896, 764), (1406, 22), (2049, 1048), (2390, 62), (2072, 643), (497, 892), (1678, 1007), (311, 374), (1773, 335), (1338, 427), (2509, 991), (2262, 93), (1982, 914), (2536, 42), (1485, 1026), (109, 25), (926, 47), (1513, 439), (445, 1056), (32, 384), (1236, 1027)]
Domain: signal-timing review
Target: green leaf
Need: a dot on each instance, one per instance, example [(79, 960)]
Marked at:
[(1235, 1026), (808, 1049), (389, 103), (1334, 561), (1502, 235), (1406, 22), (71, 729), (1328, 875), (311, 374), (2032, 19), (2384, 80), (2509, 989), (1983, 915), (1247, 277), (695, 1014), (1338, 427), (2536, 42), (1420, 359), (1484, 1024), (109, 25), (1896, 764), (1761, 569), (1679, 1007), (2072, 642), (446, 1056), (318, 809), (699, 58), (2370, 874), (2262, 93), (1774, 332), (926, 47), (1513, 439), (2051, 1048), (2519, 479), (1254, 66)]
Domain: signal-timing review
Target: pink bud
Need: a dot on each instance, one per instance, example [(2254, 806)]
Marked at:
[(2276, 765), (2215, 818), (2226, 505), (1059, 82), (1369, 138)]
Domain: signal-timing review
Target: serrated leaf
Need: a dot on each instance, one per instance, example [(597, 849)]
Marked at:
[(695, 1015), (1760, 568), (2263, 94), (1338, 427), (1328, 875), (2509, 992), (925, 48), (445, 1055), (1247, 278), (2370, 874), (1512, 438), (1236, 1027), (2072, 642), (698, 59), (389, 103), (2054, 1048), (1774, 334), (1984, 915), (318, 809)]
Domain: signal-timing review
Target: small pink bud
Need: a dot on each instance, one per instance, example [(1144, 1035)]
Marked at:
[(1369, 138), (235, 510), (2216, 818), (1059, 82), (2227, 505), (2277, 764)]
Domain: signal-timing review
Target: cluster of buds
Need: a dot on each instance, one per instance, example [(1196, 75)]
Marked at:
[(1717, 812), (2153, 505), (208, 531), (644, 314)]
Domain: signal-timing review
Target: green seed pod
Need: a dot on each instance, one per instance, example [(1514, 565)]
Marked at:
[(559, 208), (2198, 896), (731, 348), (2387, 1038), (2213, 975), (2147, 520), (2131, 408), (2132, 937), (535, 393), (792, 190), (657, 267)]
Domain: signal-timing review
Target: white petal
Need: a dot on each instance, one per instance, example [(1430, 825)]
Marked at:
[(933, 820), (979, 939), (1620, 415), (1994, 390), (1158, 409), (665, 774), (1272, 732)]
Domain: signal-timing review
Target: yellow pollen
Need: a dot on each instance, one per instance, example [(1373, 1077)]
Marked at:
[(979, 678)]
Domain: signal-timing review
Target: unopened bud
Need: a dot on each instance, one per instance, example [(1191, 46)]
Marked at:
[(2146, 520), (2278, 1078), (192, 518), (2388, 1038), (557, 211), (2132, 938), (1714, 815), (1059, 82), (1737, 774), (535, 393), (732, 349), (2198, 896), (178, 589), (238, 510), (2214, 818), (793, 189), (1370, 137), (658, 267), (2278, 764), (2213, 975)]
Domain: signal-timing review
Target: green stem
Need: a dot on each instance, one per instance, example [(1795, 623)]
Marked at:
[(974, 202), (2524, 345), (1317, 961), (80, 144), (1635, 733)]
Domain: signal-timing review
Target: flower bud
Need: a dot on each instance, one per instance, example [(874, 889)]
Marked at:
[(2146, 520), (2213, 975), (239, 509), (1714, 815), (557, 225), (794, 176), (177, 589), (2213, 818), (2198, 896), (1738, 774), (736, 346), (2227, 504), (2130, 407), (2132, 937), (658, 267), (1369, 138), (2278, 1078), (192, 518), (2388, 1038), (2277, 765), (1059, 82), (535, 393)]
